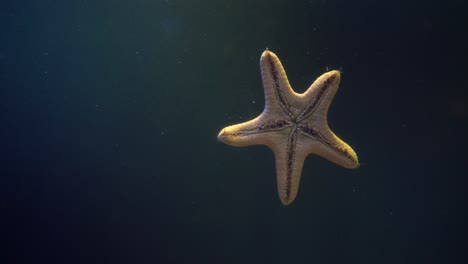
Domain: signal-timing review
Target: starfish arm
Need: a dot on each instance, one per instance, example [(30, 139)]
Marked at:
[(240, 135), (278, 91), (339, 152), (318, 97), (323, 142), (289, 160), (262, 130)]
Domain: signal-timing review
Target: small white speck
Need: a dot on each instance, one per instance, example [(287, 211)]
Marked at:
[(253, 102)]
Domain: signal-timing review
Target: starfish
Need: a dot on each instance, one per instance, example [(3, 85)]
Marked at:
[(293, 125)]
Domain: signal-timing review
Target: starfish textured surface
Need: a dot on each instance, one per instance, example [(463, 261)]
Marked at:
[(293, 125)]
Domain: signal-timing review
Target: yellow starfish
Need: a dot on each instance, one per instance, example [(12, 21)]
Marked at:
[(293, 125)]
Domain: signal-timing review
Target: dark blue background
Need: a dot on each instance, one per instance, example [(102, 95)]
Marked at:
[(109, 112)]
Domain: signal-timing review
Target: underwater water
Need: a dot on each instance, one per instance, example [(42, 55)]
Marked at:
[(110, 112)]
